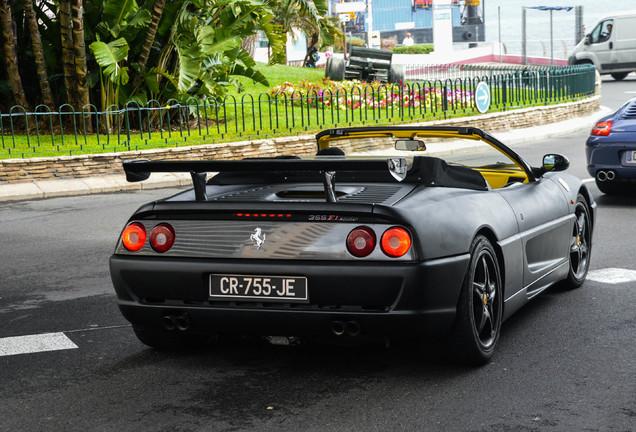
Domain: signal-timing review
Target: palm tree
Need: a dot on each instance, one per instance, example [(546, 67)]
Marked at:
[(68, 57), (308, 16), (10, 55), (38, 54), (79, 52), (157, 12)]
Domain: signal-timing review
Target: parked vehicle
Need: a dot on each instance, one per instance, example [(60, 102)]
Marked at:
[(611, 150), (610, 46)]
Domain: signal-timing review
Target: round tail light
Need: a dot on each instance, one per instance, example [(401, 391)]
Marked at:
[(162, 237), (134, 236), (361, 241), (395, 242)]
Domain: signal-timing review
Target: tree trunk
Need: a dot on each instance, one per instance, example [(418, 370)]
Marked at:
[(11, 56), (68, 58), (79, 50), (157, 11), (38, 54)]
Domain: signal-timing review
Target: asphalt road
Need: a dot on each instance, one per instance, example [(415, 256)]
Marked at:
[(565, 362)]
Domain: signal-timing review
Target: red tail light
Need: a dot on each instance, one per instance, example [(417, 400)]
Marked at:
[(361, 241), (395, 242), (162, 237), (602, 128), (134, 236)]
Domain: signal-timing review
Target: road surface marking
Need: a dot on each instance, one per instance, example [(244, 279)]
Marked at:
[(35, 343), (612, 275)]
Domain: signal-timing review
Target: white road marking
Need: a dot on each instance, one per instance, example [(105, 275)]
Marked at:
[(35, 343), (612, 275)]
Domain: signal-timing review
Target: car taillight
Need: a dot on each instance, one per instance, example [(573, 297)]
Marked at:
[(162, 237), (395, 242), (602, 128), (134, 236), (361, 241)]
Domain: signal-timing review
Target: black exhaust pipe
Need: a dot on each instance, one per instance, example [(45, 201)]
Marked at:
[(182, 322), (338, 328), (169, 322), (352, 328)]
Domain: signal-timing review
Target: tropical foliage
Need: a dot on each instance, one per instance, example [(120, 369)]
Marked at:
[(94, 54)]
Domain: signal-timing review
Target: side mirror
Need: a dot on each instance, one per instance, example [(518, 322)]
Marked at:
[(555, 162), (587, 39), (410, 145)]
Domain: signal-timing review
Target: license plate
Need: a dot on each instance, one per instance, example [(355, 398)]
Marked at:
[(258, 288), (631, 157)]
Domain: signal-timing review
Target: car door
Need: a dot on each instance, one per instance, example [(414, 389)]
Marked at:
[(601, 44), (544, 227)]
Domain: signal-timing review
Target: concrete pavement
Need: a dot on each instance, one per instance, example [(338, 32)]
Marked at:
[(116, 183)]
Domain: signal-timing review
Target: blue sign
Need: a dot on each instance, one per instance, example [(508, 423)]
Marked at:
[(482, 97)]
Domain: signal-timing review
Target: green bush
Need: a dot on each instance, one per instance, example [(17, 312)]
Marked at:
[(414, 49)]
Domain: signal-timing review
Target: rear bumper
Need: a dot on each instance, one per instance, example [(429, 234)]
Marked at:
[(383, 299), (604, 154)]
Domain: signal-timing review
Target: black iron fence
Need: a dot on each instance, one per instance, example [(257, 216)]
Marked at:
[(45, 132)]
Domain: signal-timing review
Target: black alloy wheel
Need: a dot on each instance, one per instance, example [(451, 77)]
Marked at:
[(480, 308), (580, 244)]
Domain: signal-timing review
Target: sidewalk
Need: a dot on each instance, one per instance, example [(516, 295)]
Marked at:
[(116, 183)]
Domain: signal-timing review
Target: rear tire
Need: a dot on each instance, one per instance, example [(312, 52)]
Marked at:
[(619, 76), (580, 245), (477, 326), (337, 70), (168, 340)]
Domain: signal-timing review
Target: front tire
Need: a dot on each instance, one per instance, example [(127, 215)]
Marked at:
[(480, 308)]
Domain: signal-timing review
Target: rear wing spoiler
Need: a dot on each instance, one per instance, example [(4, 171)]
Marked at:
[(139, 170)]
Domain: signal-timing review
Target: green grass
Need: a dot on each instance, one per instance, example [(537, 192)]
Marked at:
[(277, 75)]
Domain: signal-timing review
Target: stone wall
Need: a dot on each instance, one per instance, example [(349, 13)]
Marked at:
[(66, 167)]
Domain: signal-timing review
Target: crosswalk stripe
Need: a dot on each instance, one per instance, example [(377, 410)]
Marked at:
[(612, 275), (35, 343)]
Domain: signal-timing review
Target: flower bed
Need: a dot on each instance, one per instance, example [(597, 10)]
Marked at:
[(357, 94)]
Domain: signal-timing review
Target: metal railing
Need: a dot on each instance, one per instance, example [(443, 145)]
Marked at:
[(171, 124)]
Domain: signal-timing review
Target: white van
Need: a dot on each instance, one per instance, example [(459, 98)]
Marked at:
[(610, 46)]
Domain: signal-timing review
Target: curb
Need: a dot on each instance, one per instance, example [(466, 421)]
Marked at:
[(118, 183)]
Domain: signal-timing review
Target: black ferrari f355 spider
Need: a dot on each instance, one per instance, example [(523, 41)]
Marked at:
[(387, 232)]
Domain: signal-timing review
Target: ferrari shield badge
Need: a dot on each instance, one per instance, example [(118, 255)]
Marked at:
[(258, 238)]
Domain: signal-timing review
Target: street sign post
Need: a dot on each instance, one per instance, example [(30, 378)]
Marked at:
[(482, 97)]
